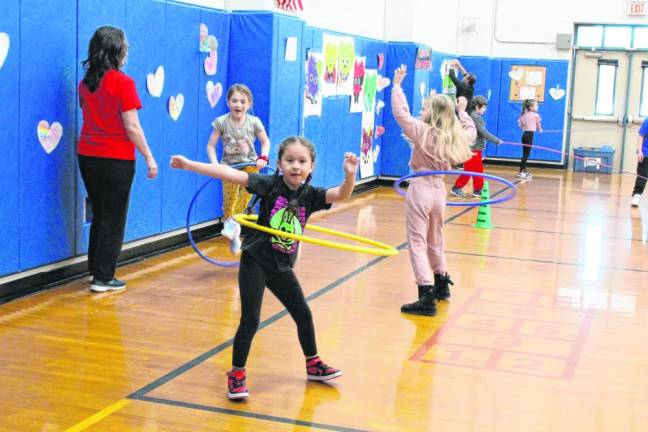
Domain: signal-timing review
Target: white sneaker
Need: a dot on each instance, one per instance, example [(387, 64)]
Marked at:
[(235, 241), (228, 228), (635, 200)]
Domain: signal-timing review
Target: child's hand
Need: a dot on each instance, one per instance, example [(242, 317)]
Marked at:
[(350, 164), (399, 75), (462, 103), (179, 161), (261, 163)]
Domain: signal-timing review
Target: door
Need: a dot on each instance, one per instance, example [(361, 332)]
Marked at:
[(606, 100)]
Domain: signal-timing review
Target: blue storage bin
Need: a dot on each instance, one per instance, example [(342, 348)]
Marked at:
[(595, 159)]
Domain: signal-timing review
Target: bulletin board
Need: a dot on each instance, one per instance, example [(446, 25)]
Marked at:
[(527, 82)]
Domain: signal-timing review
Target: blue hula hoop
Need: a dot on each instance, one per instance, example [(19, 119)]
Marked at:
[(507, 183), (188, 222)]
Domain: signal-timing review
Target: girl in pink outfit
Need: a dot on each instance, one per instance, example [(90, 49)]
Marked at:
[(438, 141), (529, 122)]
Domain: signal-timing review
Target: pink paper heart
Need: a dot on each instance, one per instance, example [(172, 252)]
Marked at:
[(210, 63), (203, 32), (382, 83), (214, 92), (379, 131), (381, 60), (49, 136)]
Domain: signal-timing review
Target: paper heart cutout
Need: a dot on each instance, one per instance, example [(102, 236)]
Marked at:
[(175, 106), (376, 150), (379, 131), (379, 105), (4, 48), (209, 43), (49, 136), (381, 60), (214, 92), (382, 83), (155, 82), (516, 74), (204, 31), (210, 63), (556, 92)]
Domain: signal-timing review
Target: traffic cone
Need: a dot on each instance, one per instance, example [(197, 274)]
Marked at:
[(484, 213)]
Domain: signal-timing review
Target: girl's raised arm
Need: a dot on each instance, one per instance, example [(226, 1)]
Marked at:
[(219, 171)]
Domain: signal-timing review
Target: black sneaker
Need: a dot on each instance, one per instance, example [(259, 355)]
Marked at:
[(98, 285)]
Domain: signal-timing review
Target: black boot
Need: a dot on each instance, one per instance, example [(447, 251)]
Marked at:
[(441, 288), (425, 305)]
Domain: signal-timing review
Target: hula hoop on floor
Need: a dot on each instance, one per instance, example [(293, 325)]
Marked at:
[(379, 248), (507, 183), (188, 222)]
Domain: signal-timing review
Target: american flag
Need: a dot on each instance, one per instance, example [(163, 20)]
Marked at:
[(290, 5)]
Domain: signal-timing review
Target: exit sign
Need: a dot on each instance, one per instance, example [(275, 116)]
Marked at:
[(636, 8)]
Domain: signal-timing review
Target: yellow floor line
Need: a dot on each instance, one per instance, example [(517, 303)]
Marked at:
[(99, 416)]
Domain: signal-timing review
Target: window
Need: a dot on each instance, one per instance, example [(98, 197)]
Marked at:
[(605, 87), (617, 37), (640, 37), (643, 104), (590, 36)]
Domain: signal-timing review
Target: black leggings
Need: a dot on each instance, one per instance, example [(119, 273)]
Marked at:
[(642, 170), (527, 138), (252, 282)]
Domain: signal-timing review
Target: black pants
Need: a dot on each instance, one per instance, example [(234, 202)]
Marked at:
[(527, 138), (252, 282), (642, 170), (108, 182)]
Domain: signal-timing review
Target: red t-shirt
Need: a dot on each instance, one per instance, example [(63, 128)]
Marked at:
[(103, 133)]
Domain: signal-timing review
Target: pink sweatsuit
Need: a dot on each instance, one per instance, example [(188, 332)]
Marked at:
[(426, 196)]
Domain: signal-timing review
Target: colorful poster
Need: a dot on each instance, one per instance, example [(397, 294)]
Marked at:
[(329, 77), (357, 97), (423, 59), (369, 89), (313, 87), (447, 85), (346, 58), (366, 152)]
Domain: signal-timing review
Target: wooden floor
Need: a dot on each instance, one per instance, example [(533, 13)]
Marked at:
[(546, 330)]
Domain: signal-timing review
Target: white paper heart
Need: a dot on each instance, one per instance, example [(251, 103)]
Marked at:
[(422, 87), (175, 106), (155, 82), (210, 63), (214, 92), (49, 136), (556, 92), (516, 74), (379, 105), (382, 83), (4, 47)]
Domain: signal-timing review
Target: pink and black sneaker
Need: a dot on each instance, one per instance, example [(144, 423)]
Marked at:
[(236, 388), (317, 370)]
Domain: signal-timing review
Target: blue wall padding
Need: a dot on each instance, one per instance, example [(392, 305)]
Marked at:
[(552, 112), (47, 92), (183, 64), (395, 152), (9, 142), (44, 198), (92, 14), (210, 202)]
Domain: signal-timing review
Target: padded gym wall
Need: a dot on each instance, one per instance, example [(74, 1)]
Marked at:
[(395, 152), (9, 139), (552, 112), (47, 93)]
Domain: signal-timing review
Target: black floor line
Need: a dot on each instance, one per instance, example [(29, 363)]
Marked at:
[(249, 414)]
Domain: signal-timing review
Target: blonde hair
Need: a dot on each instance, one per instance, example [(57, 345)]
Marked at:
[(452, 143)]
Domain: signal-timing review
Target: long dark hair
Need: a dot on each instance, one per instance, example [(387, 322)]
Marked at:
[(526, 105), (106, 51)]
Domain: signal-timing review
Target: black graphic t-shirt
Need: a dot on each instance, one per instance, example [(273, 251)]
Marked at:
[(273, 252)]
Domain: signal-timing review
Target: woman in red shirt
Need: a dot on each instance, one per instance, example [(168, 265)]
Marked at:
[(106, 150)]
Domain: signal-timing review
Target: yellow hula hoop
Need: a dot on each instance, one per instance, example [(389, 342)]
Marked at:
[(381, 249)]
